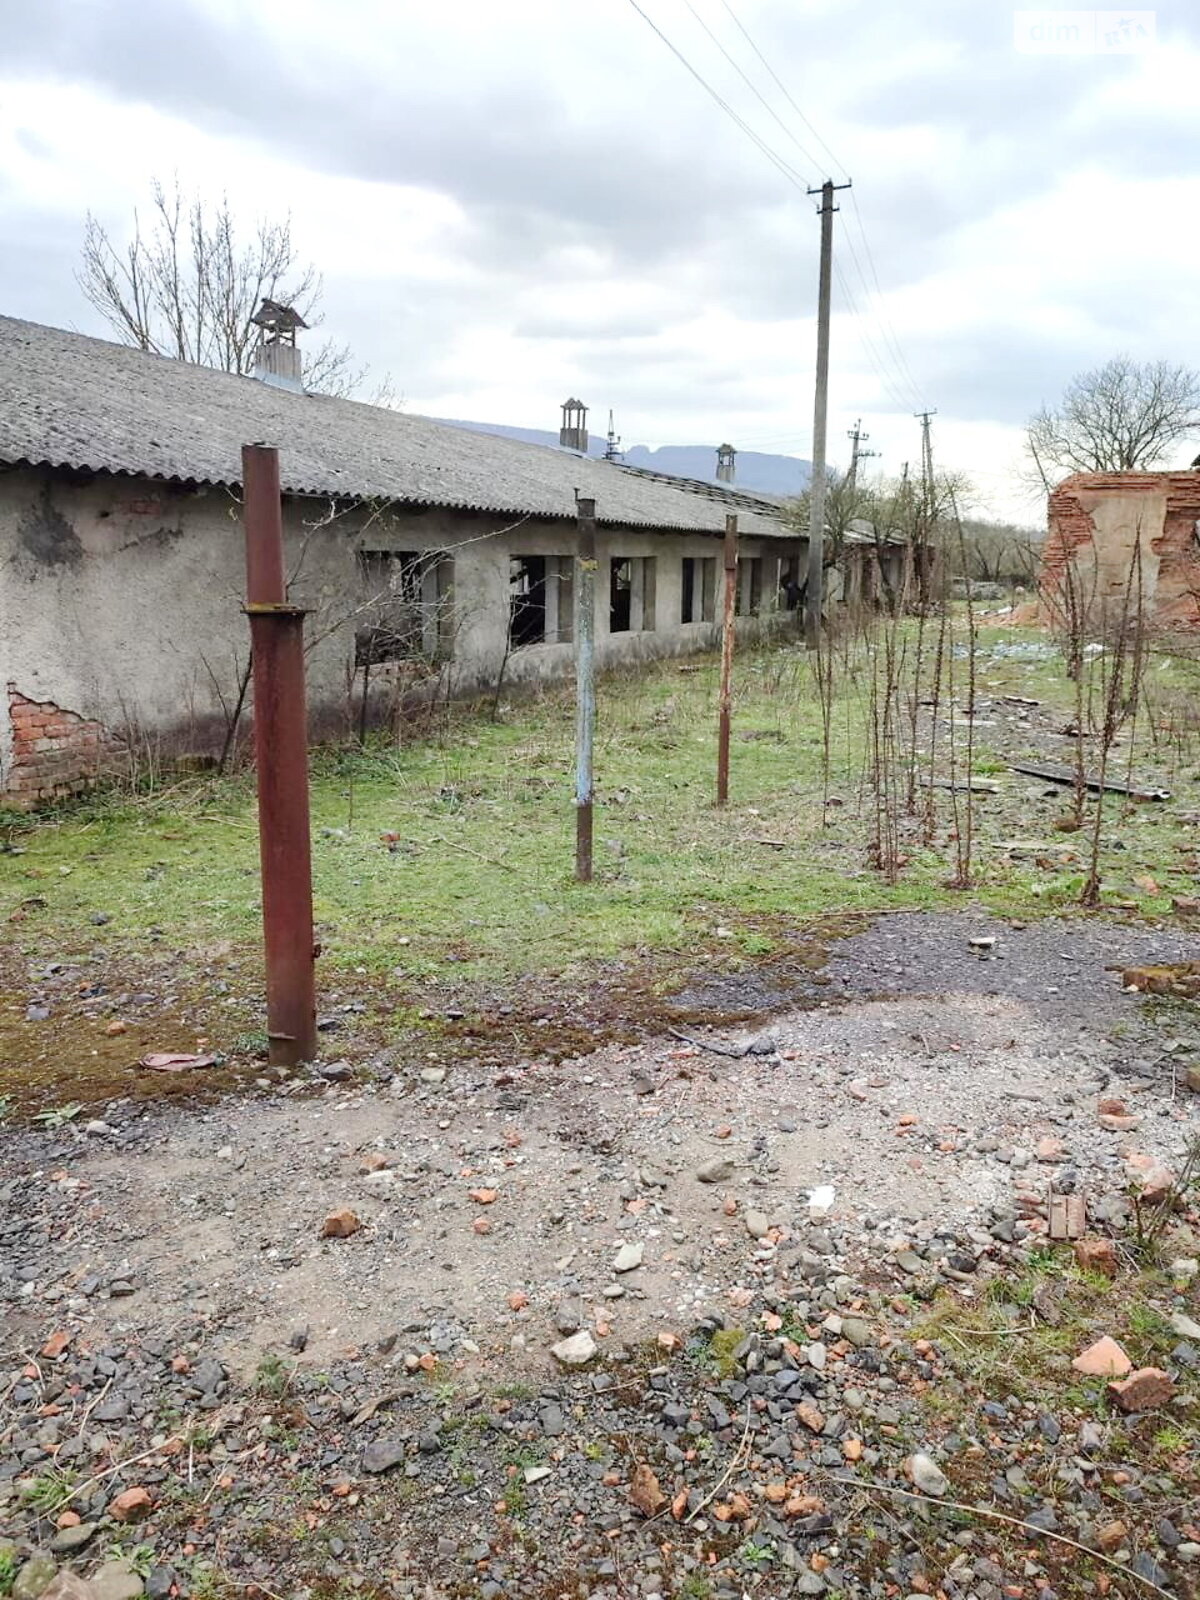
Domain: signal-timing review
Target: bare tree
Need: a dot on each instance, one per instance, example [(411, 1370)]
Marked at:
[(999, 552), (1119, 417), (846, 500), (187, 284)]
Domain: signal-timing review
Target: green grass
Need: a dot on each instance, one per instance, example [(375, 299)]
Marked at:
[(716, 1354), (479, 878), (1029, 1358), (49, 1491), (8, 1568), (475, 880), (273, 1375)]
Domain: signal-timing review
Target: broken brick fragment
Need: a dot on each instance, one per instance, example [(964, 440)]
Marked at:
[(340, 1224), (645, 1491), (1097, 1255), (375, 1161), (1157, 1187), (1104, 1359), (804, 1505), (1067, 1216), (129, 1505), (1142, 1390)]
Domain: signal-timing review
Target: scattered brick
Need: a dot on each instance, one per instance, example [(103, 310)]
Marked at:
[(129, 1505), (1142, 1390), (1068, 1216), (810, 1416), (340, 1224), (1104, 1359), (1097, 1255)]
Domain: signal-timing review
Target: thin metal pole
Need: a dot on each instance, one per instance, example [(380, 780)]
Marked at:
[(816, 518), (585, 685), (281, 756), (727, 635)]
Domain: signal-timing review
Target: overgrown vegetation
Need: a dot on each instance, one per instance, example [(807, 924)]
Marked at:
[(452, 855)]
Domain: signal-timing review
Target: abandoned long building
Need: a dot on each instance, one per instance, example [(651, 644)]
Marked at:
[(426, 552)]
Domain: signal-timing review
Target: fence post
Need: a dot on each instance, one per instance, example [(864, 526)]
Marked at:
[(727, 631), (585, 685), (281, 758)]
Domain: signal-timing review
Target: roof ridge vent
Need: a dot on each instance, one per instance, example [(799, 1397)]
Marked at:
[(277, 360)]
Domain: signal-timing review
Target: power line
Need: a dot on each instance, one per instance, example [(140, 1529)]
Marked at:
[(887, 331), (783, 90), (879, 366), (897, 355), (892, 355), (753, 87), (789, 172), (886, 321)]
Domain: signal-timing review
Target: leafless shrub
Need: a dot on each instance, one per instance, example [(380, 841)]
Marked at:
[(188, 282)]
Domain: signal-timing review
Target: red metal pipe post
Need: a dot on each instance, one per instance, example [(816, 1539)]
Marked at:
[(585, 686), (727, 632), (281, 758)]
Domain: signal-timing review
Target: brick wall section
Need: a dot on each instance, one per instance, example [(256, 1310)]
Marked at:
[(1176, 545), (54, 752)]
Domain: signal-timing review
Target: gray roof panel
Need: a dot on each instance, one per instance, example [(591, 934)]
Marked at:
[(68, 400)]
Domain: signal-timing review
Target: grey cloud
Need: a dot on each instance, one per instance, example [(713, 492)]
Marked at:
[(591, 319), (667, 193), (501, 140)]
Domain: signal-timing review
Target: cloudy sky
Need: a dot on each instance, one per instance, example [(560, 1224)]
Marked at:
[(513, 202)]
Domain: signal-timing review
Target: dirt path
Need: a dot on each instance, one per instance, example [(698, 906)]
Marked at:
[(803, 1267), (918, 1093)]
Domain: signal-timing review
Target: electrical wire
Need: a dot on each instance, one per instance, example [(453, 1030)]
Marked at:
[(887, 331), (898, 381), (754, 89), (783, 90), (788, 171)]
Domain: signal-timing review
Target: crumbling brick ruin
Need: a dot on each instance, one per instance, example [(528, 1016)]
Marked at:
[(54, 752), (1095, 518)]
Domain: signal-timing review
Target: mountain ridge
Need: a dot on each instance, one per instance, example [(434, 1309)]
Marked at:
[(757, 471)]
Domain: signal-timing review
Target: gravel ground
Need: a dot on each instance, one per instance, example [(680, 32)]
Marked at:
[(737, 1233)]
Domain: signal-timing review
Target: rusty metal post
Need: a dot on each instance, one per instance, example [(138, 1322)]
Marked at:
[(727, 629), (281, 758), (585, 686)]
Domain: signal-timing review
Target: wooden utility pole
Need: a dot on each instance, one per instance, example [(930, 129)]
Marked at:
[(585, 684), (920, 556), (281, 756), (925, 418), (816, 519), (857, 439), (727, 632)]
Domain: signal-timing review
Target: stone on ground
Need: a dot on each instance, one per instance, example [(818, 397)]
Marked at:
[(927, 1476), (576, 1351)]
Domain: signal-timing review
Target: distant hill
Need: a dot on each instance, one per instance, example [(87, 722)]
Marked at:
[(756, 471)]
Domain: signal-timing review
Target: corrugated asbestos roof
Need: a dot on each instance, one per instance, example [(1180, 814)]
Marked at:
[(67, 400)]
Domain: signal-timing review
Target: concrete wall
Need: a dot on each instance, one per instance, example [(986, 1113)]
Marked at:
[(120, 602)]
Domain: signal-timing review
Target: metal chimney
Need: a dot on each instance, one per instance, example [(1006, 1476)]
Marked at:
[(277, 361), (573, 433)]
